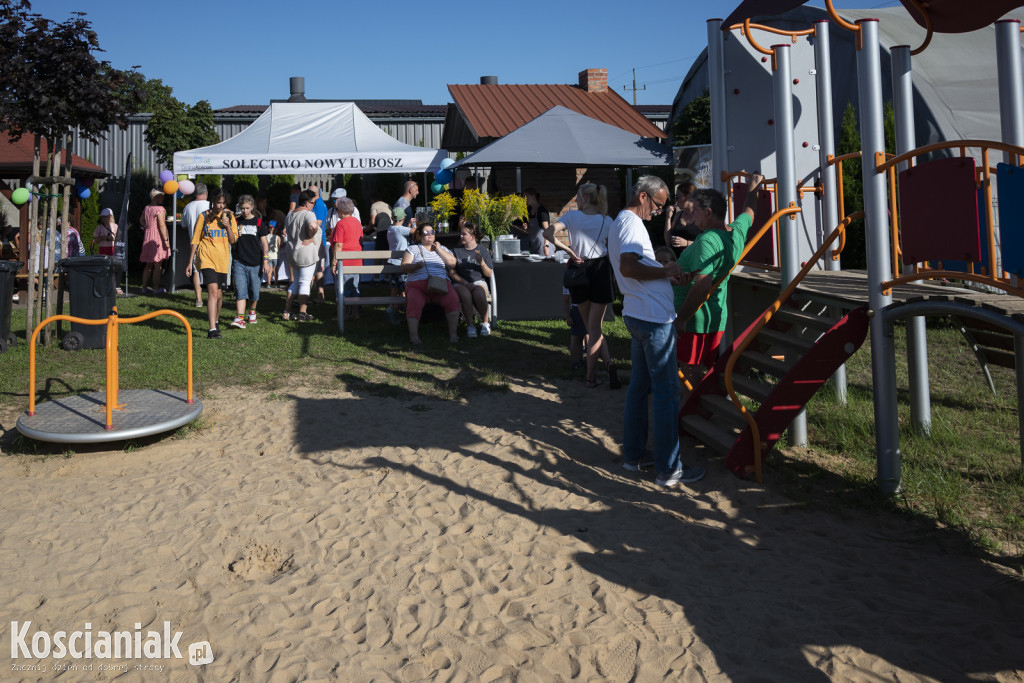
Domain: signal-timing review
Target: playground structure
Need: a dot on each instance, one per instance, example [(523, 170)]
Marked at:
[(144, 411), (930, 214)]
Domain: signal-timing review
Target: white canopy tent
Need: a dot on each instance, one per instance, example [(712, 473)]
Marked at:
[(309, 138)]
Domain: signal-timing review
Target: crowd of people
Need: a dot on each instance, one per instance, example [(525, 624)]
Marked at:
[(675, 321)]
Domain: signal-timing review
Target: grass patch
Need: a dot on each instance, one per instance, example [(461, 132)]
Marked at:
[(966, 478)]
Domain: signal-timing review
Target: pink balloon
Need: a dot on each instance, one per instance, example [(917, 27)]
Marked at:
[(186, 187)]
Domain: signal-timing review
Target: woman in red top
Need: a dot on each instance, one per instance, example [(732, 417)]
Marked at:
[(347, 236)]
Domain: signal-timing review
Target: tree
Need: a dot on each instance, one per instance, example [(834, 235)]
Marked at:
[(52, 84), (176, 127), (854, 255), (693, 127)]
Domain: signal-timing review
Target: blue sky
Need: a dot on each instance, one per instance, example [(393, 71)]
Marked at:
[(233, 52)]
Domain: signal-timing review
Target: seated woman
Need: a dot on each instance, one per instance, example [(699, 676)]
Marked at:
[(469, 276), (426, 264)]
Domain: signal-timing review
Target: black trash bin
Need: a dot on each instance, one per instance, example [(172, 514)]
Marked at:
[(92, 290), (8, 269)]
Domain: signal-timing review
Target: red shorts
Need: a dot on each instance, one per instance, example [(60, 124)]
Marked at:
[(698, 349)]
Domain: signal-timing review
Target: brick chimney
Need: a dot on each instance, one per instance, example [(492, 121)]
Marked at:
[(594, 80)]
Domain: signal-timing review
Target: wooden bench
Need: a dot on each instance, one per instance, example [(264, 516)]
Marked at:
[(382, 268)]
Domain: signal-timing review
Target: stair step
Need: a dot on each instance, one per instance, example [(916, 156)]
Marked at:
[(803, 319), (788, 340), (753, 388), (766, 363), (722, 408), (709, 434)]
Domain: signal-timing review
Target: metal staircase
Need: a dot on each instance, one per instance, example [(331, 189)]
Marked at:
[(747, 399)]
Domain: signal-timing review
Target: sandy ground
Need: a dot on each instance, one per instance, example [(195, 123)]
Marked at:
[(314, 536)]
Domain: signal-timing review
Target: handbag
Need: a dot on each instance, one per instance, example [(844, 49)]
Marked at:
[(435, 283), (575, 276)]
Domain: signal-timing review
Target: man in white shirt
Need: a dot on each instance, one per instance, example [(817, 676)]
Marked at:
[(188, 219), (648, 311)]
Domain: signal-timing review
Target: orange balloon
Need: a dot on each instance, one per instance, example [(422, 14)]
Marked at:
[(170, 187)]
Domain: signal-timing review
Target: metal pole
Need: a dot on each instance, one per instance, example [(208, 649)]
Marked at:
[(1011, 84), (785, 165), (519, 180), (716, 81), (829, 200), (883, 360), (917, 338), (1018, 350), (174, 243)]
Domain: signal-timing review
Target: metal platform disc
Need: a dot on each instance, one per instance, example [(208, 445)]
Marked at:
[(82, 419)]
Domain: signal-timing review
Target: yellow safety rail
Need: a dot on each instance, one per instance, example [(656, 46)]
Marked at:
[(112, 370), (755, 432), (990, 275)]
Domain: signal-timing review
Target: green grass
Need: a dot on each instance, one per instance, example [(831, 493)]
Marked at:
[(965, 479)]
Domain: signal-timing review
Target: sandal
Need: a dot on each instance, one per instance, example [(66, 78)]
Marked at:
[(286, 315), (304, 317), (593, 383)]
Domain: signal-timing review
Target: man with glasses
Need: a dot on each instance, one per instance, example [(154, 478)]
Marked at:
[(648, 312)]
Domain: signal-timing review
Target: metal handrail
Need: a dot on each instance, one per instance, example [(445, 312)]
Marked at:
[(112, 375), (983, 181), (755, 432)]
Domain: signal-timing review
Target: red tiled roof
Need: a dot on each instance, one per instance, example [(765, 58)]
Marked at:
[(17, 156), (493, 111)]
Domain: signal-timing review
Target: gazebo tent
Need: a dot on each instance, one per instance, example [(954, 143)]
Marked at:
[(563, 136), (309, 138)]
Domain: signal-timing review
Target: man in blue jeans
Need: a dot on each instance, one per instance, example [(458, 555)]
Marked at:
[(649, 312)]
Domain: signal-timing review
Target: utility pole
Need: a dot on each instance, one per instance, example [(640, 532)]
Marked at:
[(634, 88)]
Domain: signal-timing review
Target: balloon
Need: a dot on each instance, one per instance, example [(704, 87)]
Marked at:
[(20, 196), (437, 188), (84, 192), (444, 177), (165, 176), (170, 187), (446, 162), (87, 182), (186, 187), (180, 195)]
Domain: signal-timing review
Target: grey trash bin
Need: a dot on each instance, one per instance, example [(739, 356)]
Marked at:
[(92, 291)]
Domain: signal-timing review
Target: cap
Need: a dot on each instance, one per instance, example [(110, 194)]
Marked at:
[(399, 213), (339, 193), (107, 212)]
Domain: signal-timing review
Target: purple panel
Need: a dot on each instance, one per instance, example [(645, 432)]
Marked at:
[(764, 250), (938, 204)]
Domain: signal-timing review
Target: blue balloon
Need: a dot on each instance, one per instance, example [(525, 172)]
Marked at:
[(443, 176), (446, 162), (84, 192), (437, 188)]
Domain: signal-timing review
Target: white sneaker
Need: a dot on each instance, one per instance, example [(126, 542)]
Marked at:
[(471, 331), (239, 322), (252, 317), (485, 329)]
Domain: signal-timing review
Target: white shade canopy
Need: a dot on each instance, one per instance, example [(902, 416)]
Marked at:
[(309, 138), (563, 136)]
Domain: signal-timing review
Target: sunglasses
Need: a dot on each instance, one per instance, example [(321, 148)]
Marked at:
[(428, 232)]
